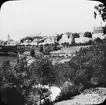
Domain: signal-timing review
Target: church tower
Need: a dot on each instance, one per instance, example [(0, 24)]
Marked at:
[(8, 39)]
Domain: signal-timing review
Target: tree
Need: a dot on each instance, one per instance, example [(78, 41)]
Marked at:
[(41, 48), (104, 29), (88, 34), (43, 71), (101, 8), (26, 38), (75, 35), (32, 53), (59, 36), (13, 83)]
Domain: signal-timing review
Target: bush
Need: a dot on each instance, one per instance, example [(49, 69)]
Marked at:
[(88, 34), (32, 53)]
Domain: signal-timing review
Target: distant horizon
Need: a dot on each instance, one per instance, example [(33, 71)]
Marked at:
[(24, 18)]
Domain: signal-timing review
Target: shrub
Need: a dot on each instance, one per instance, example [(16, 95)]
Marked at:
[(88, 34), (32, 53)]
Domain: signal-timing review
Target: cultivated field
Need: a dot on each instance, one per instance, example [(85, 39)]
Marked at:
[(69, 51)]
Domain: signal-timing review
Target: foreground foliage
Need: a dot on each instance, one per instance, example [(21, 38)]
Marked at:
[(85, 70)]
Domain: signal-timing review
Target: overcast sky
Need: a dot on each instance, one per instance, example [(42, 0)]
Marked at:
[(30, 17)]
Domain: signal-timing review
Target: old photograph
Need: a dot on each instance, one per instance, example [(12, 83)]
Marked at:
[(53, 52)]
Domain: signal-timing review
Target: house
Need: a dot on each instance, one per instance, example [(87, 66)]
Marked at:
[(11, 43), (82, 39), (25, 42), (66, 39), (46, 41), (98, 33)]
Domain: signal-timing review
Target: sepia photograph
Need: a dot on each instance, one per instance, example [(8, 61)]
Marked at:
[(52, 52)]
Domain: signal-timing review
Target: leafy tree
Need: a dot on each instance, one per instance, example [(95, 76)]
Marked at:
[(104, 29), (63, 72), (59, 36), (26, 38), (43, 69), (101, 8), (16, 83), (56, 46), (41, 48), (32, 53), (75, 35), (88, 34)]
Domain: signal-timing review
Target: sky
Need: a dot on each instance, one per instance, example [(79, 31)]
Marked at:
[(46, 17)]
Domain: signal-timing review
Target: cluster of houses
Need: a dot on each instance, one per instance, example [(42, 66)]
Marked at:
[(29, 42), (39, 41), (9, 42), (97, 33)]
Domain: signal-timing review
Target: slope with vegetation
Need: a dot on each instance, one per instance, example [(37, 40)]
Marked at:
[(85, 70)]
